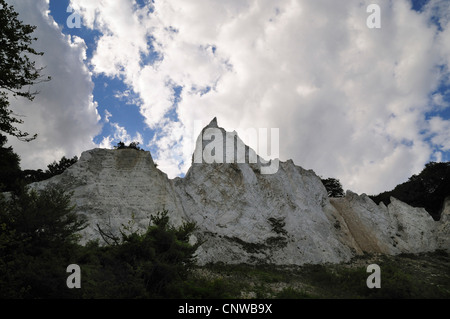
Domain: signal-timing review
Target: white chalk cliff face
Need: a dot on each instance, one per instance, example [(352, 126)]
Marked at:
[(244, 215)]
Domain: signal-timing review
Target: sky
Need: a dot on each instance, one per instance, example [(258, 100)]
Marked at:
[(369, 106)]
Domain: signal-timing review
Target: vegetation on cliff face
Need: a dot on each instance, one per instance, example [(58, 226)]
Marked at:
[(38, 240), (13, 178), (133, 145), (428, 189), (39, 230), (405, 276), (333, 186)]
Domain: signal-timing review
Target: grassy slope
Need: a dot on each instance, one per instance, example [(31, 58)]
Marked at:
[(403, 276)]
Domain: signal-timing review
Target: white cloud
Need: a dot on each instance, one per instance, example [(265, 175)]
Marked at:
[(440, 128), (350, 101), (439, 101), (107, 116), (120, 135), (64, 113), (128, 97), (107, 142)]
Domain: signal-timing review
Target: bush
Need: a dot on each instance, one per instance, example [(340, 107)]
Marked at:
[(428, 189), (209, 289), (38, 241), (291, 293), (133, 145), (333, 187), (30, 175), (153, 264)]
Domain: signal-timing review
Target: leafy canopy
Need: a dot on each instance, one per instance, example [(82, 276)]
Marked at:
[(38, 239), (428, 189), (134, 145), (9, 166), (17, 70), (333, 187)]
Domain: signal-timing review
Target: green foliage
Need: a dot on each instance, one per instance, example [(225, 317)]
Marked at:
[(16, 69), (37, 242), (278, 225), (291, 293), (427, 190), (279, 241), (9, 167), (209, 289), (133, 145), (55, 168), (248, 247), (400, 279), (12, 178), (334, 187), (152, 264)]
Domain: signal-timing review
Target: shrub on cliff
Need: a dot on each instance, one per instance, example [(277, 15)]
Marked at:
[(427, 190), (152, 264), (133, 145), (333, 187), (37, 242)]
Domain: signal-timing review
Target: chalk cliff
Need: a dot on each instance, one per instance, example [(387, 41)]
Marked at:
[(243, 215)]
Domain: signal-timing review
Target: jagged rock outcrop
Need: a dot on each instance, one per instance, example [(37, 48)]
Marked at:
[(393, 229), (243, 215), (112, 187), (444, 226)]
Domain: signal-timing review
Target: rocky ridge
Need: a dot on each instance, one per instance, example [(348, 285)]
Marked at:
[(242, 215)]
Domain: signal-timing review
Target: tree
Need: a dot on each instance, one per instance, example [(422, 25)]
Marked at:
[(133, 145), (9, 167), (17, 71), (334, 187), (150, 264), (38, 239), (427, 189), (120, 145), (31, 176), (57, 168)]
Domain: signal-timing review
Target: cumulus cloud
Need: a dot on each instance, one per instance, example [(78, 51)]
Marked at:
[(64, 113), (350, 102), (440, 129), (120, 134)]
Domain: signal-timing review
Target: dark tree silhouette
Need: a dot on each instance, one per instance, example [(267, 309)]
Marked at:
[(17, 71), (428, 189), (55, 168), (120, 145), (133, 145), (38, 239), (9, 166), (334, 187)]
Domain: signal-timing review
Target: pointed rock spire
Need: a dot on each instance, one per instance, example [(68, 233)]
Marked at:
[(213, 123)]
